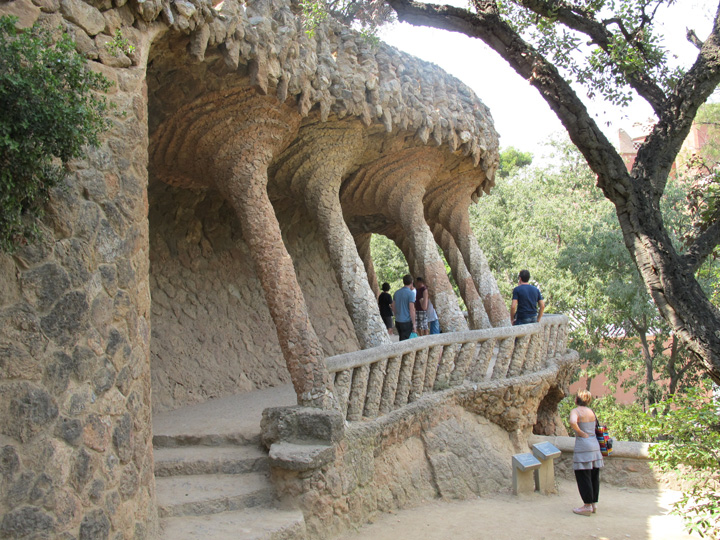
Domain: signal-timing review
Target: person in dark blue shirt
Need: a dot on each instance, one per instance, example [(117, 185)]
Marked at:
[(526, 299)]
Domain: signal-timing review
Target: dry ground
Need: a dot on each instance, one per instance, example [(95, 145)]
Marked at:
[(636, 514)]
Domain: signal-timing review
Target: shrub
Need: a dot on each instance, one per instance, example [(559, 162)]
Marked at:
[(50, 112), (624, 422), (687, 428)]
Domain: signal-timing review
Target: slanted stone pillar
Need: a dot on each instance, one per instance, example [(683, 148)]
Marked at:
[(315, 166), (240, 167), (454, 217), (476, 311), (362, 241), (405, 190)]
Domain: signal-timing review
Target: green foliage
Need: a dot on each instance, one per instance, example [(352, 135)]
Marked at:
[(551, 220), (119, 44), (366, 16), (687, 428), (50, 111), (511, 160), (389, 262), (625, 422), (313, 14), (625, 42)]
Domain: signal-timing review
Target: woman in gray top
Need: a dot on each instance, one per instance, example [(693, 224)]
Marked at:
[(587, 458)]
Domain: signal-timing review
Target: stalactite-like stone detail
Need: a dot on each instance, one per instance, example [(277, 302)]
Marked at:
[(483, 357), (504, 356), (313, 168), (477, 316), (519, 356), (362, 241), (462, 363), (433, 362), (375, 387), (358, 392), (405, 379), (418, 375), (387, 402), (234, 145)]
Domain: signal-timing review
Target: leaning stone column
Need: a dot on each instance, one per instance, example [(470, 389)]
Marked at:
[(362, 241), (406, 203), (455, 218), (476, 311), (315, 165), (241, 175)]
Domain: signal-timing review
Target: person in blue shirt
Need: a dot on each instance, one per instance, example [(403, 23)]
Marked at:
[(526, 299), (403, 307)]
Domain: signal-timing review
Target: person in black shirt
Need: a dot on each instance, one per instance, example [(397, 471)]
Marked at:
[(384, 303)]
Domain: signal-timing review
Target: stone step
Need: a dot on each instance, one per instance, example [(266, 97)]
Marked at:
[(203, 494), (238, 438), (249, 524), (193, 460)]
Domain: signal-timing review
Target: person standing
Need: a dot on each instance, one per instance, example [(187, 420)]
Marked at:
[(403, 307), (587, 458), (422, 297), (526, 299), (384, 303), (433, 322)]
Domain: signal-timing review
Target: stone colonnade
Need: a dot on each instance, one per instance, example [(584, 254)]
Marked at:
[(232, 97), (320, 165)]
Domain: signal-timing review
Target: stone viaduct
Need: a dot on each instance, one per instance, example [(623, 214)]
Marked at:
[(231, 204)]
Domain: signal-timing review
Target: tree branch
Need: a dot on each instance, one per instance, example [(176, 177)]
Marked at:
[(703, 245), (692, 38), (657, 155), (597, 31)]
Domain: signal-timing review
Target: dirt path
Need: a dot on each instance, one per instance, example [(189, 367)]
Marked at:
[(634, 514)]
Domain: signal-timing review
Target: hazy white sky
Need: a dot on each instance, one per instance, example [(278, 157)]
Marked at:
[(521, 117)]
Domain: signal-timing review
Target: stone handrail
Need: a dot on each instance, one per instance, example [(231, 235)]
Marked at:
[(373, 382)]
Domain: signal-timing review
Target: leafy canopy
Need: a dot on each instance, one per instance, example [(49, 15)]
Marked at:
[(50, 112)]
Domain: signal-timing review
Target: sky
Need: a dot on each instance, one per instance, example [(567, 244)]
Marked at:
[(521, 117)]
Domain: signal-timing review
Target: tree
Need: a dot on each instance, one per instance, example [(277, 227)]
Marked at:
[(543, 41), (49, 112), (551, 220)]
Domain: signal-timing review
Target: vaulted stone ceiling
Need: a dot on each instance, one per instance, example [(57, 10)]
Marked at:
[(406, 116)]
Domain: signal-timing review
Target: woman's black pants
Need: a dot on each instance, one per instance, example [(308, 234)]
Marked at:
[(588, 482)]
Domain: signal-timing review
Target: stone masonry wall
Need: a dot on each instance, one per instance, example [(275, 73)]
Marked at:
[(455, 444), (212, 333), (75, 425)]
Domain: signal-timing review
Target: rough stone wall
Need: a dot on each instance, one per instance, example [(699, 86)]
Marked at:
[(75, 424), (212, 334), (455, 444)]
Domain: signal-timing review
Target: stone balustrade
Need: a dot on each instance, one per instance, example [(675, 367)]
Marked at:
[(373, 382)]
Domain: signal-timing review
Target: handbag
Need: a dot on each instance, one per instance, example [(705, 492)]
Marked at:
[(603, 438)]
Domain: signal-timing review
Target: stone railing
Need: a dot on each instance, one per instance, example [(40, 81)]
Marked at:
[(373, 382)]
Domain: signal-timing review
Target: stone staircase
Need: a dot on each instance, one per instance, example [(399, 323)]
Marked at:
[(213, 481)]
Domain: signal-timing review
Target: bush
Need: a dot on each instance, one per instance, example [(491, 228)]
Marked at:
[(624, 422), (50, 112), (687, 428)]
